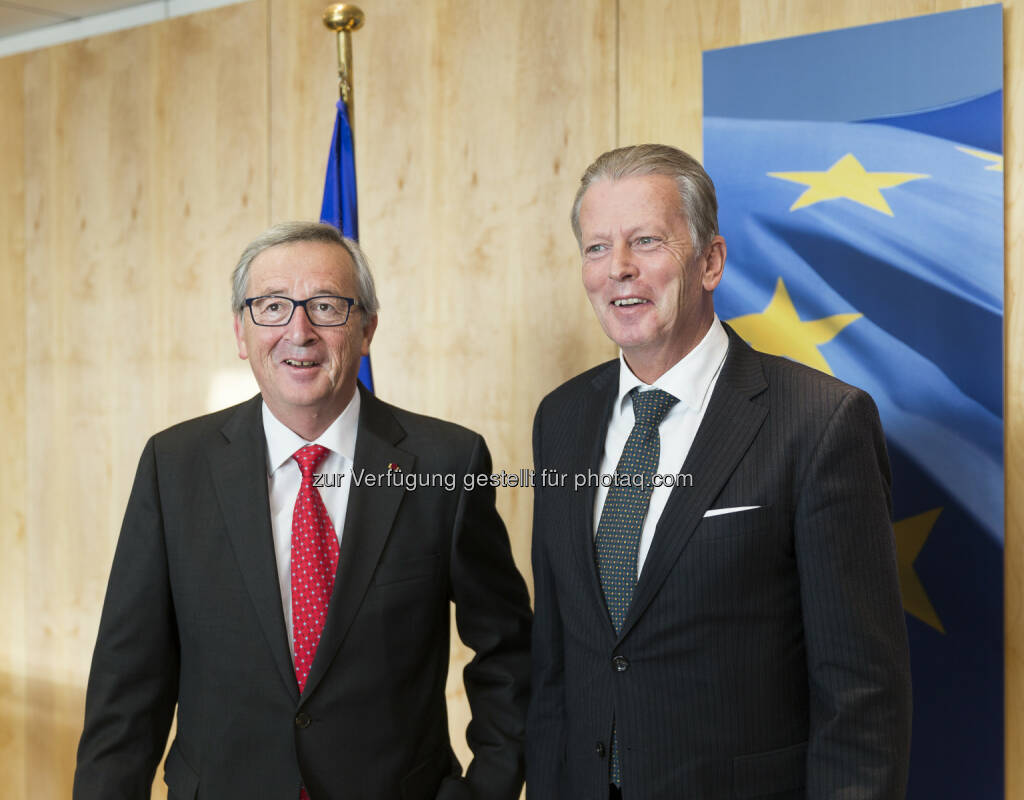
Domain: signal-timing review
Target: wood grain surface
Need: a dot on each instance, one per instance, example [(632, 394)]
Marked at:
[(138, 164)]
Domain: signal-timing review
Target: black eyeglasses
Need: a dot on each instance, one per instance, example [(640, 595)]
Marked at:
[(325, 310)]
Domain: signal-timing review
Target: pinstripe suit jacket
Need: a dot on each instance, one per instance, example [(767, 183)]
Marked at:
[(765, 651)]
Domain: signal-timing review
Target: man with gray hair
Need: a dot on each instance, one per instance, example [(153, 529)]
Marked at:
[(717, 607), (280, 580)]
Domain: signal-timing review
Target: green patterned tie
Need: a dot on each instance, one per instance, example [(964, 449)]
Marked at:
[(622, 518)]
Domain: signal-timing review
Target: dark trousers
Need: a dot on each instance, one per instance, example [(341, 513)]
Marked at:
[(614, 792)]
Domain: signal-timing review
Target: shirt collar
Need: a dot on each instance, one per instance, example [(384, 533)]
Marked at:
[(690, 378), (283, 442)]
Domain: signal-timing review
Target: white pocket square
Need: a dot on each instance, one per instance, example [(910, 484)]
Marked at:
[(715, 512)]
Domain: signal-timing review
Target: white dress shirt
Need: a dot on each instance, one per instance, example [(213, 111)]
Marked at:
[(284, 479), (692, 380)]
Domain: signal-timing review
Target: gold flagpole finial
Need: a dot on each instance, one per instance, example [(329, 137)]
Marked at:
[(343, 18)]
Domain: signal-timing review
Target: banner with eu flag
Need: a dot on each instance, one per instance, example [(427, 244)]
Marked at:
[(340, 204), (860, 185)]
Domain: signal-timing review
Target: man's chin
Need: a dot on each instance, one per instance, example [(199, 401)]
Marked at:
[(630, 340), (628, 333), (319, 400)]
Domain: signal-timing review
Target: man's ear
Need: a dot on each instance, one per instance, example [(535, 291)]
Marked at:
[(240, 336), (368, 330), (714, 264)]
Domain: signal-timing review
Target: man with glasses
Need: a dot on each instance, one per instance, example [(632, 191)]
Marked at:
[(303, 631)]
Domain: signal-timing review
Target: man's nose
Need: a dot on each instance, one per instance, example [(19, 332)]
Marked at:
[(621, 266), (299, 329)]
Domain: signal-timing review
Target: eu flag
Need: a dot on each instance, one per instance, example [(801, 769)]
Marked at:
[(340, 205), (861, 196)]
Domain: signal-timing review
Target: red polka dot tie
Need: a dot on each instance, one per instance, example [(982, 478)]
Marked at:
[(314, 563)]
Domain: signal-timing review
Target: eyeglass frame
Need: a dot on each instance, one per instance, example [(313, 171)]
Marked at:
[(296, 304)]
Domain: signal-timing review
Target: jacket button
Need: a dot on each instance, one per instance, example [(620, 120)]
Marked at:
[(599, 749), (621, 663), (302, 720)]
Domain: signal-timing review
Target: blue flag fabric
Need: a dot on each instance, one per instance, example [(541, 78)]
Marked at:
[(928, 281), (872, 248), (340, 207)]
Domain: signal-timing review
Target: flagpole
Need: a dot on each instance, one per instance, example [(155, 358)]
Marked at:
[(340, 204), (343, 18)]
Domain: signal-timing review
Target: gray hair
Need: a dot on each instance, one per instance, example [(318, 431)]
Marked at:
[(696, 190), (289, 232)]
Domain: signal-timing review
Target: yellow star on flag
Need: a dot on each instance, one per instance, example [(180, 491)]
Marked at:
[(847, 178), (997, 160), (780, 331), (911, 534)]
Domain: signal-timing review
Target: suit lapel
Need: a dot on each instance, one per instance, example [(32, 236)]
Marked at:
[(595, 414), (240, 481), (729, 426), (368, 520)]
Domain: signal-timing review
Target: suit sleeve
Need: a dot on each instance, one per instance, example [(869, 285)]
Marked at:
[(857, 652), (492, 612), (545, 732), (133, 682)]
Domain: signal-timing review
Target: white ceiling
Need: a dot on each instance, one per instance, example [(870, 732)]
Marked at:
[(27, 15), (31, 24)]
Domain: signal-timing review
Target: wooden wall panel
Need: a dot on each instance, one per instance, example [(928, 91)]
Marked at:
[(146, 153), (14, 673), (473, 123), (303, 67)]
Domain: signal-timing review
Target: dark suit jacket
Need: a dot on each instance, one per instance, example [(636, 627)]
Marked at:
[(765, 651), (193, 615)]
